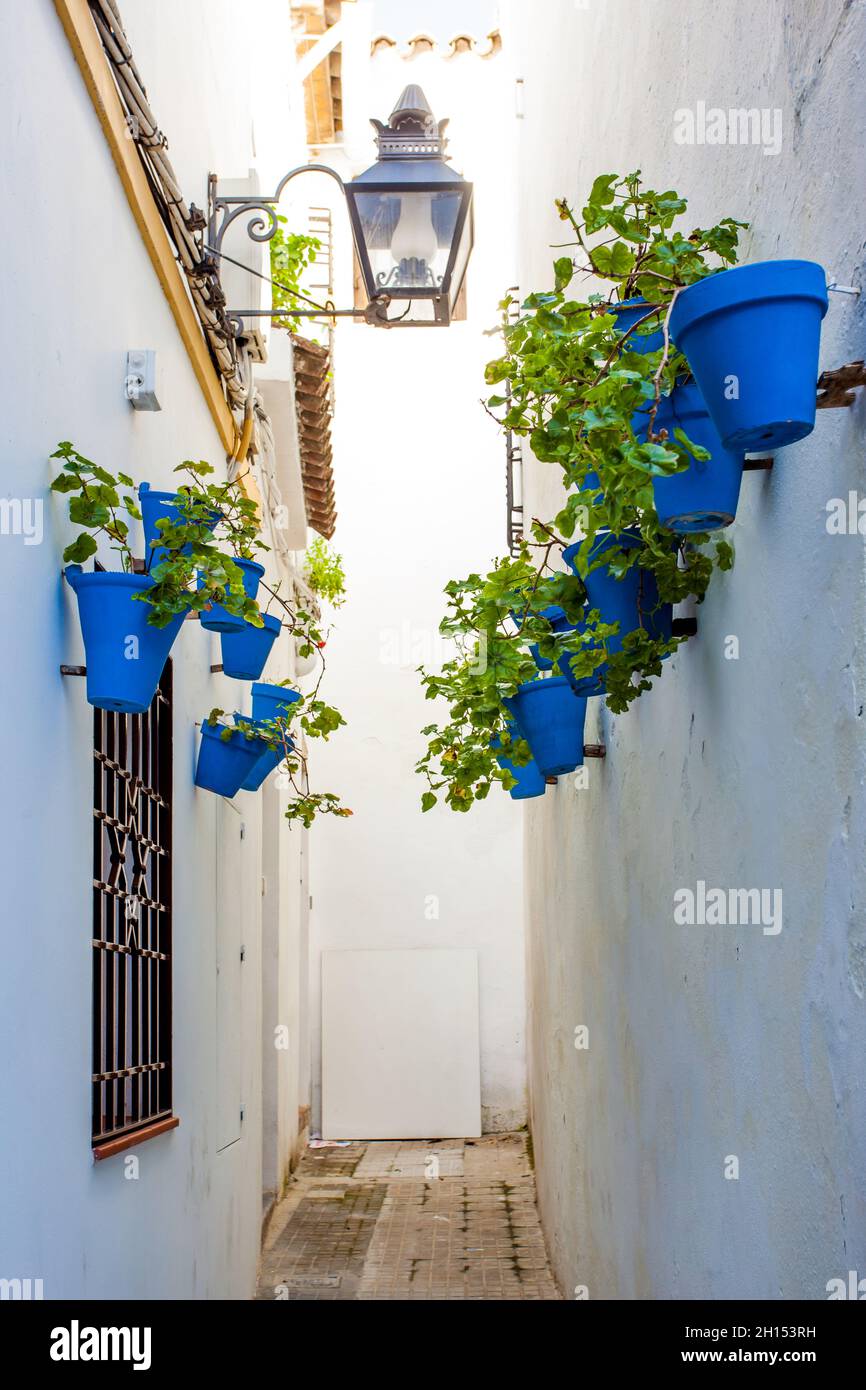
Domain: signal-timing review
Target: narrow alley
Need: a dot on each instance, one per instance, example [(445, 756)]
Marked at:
[(449, 1219), (433, 604)]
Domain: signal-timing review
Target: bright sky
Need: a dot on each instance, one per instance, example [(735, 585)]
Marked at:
[(440, 18)]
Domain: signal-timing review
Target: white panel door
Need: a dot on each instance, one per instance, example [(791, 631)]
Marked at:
[(400, 1048)]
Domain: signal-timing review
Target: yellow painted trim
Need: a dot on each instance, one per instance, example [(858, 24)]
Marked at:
[(84, 40)]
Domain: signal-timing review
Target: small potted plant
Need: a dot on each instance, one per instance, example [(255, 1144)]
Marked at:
[(283, 721), (128, 622), (751, 336), (218, 613), (226, 755), (702, 496), (160, 509), (128, 644), (623, 596), (502, 623), (550, 716)]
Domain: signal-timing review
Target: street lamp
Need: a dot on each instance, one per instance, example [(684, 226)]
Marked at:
[(411, 219)]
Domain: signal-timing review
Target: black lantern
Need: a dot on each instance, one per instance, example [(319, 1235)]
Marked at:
[(411, 222), (411, 219)]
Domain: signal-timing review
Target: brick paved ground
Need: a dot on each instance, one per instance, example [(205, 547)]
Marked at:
[(429, 1220)]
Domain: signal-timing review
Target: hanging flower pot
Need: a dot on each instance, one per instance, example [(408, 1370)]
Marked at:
[(632, 602), (273, 701), (751, 336), (529, 780), (124, 653), (162, 506), (268, 761), (704, 497), (550, 717), (245, 653), (217, 618), (627, 313), (558, 622), (225, 763)]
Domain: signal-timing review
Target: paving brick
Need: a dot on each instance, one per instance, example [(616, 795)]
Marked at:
[(371, 1222)]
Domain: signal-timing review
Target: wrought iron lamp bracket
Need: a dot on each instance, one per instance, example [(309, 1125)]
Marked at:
[(224, 210)]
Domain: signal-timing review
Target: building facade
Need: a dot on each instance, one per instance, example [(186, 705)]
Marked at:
[(89, 274), (709, 1044)]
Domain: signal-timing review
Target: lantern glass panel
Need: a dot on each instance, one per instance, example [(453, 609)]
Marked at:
[(408, 236)]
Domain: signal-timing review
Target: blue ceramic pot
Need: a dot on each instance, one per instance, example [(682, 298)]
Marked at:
[(704, 497), (529, 780), (217, 618), (632, 602), (751, 336), (224, 764), (161, 506), (124, 654), (245, 653), (269, 760), (273, 701), (627, 313), (558, 622), (550, 717)]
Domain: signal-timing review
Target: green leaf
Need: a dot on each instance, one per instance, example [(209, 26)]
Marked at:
[(564, 270), (80, 550)]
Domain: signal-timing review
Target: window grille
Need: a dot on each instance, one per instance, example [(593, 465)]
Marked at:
[(132, 781)]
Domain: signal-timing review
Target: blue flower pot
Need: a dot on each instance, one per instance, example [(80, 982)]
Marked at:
[(218, 618), (529, 780), (245, 653), (224, 764), (273, 701), (269, 760), (550, 717), (632, 601), (124, 654), (559, 623), (161, 506), (627, 313), (753, 334), (705, 496)]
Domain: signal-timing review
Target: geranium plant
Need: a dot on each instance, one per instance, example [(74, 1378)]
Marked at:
[(493, 619), (317, 720), (585, 392), (216, 523), (323, 571)]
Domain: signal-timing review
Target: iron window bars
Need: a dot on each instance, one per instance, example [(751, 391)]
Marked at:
[(132, 780)]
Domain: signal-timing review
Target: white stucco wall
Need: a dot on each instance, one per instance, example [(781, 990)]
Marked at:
[(79, 290), (709, 1042), (420, 482)]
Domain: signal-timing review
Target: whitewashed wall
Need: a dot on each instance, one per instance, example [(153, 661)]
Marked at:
[(420, 480), (79, 290), (709, 1042)]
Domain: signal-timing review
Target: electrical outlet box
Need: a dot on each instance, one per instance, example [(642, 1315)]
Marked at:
[(140, 386)]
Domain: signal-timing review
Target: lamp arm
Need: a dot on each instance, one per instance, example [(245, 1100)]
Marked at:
[(222, 211), (307, 169)]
